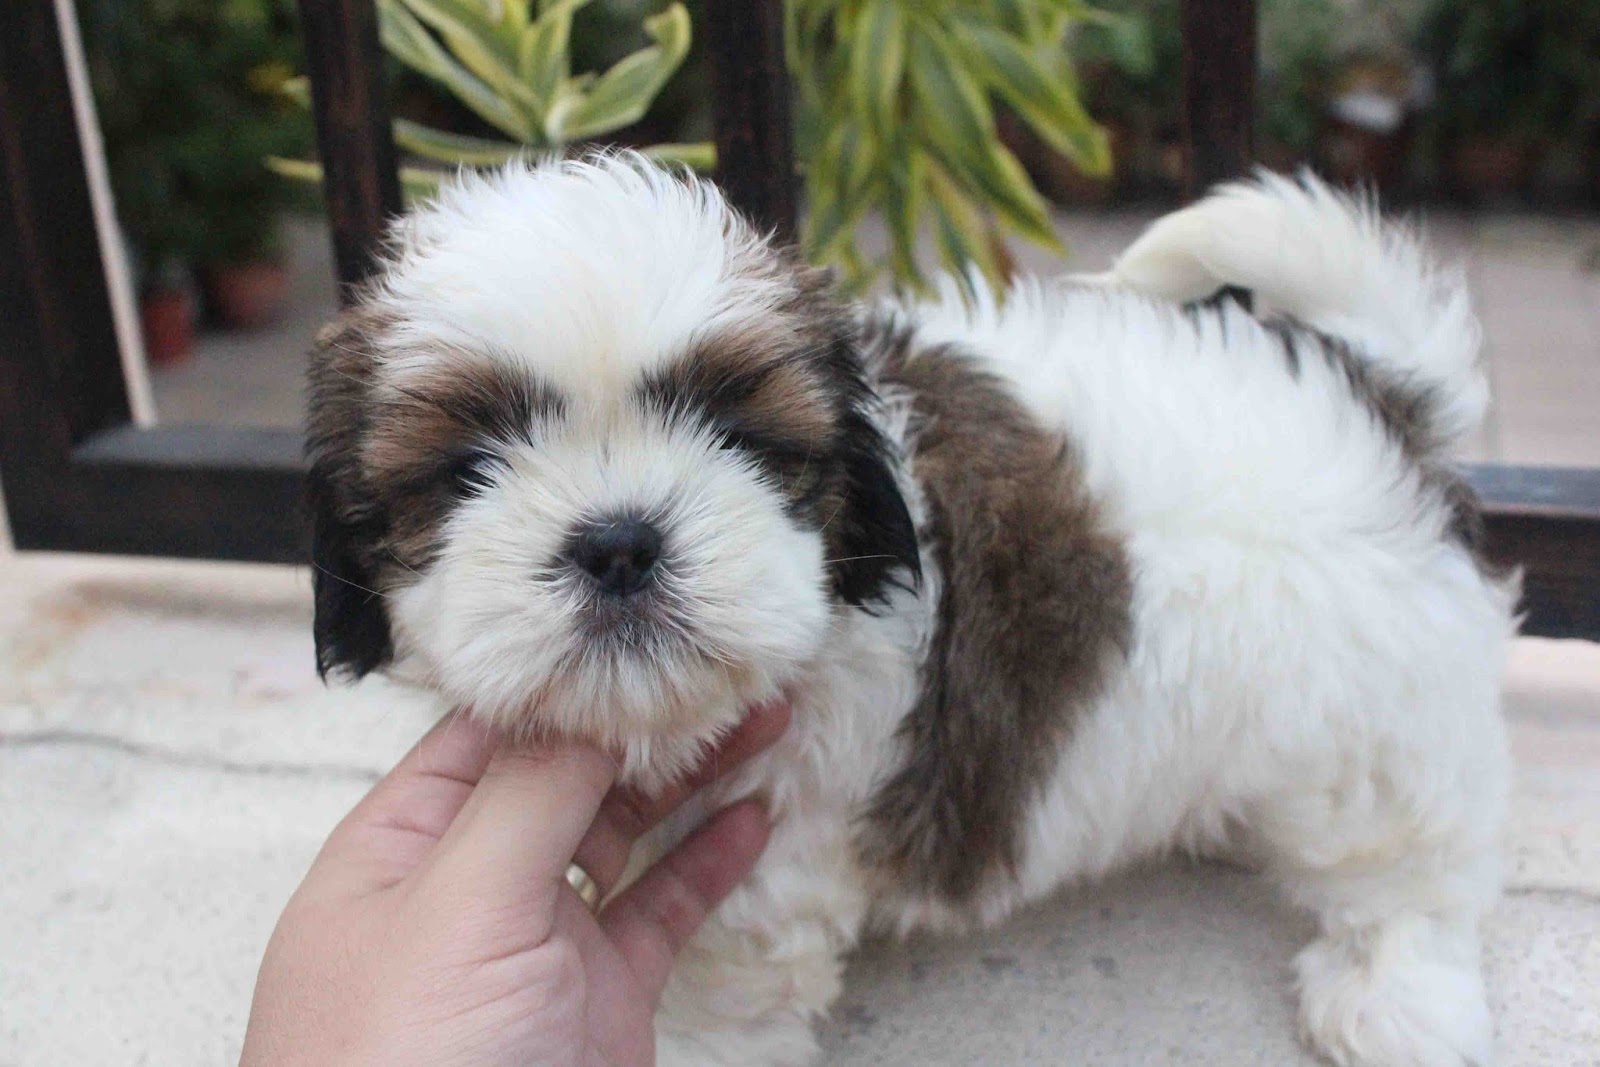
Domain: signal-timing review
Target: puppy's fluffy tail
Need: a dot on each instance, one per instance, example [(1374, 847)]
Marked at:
[(1329, 261)]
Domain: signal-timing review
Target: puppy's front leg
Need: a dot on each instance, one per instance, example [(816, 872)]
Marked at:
[(748, 987)]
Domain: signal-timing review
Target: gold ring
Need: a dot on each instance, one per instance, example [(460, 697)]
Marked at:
[(585, 886)]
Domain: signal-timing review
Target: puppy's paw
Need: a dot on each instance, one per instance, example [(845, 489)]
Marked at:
[(1381, 1002)]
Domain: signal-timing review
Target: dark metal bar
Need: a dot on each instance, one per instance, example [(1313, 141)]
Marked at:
[(1219, 86), (196, 492), (360, 171), (1547, 521), (750, 106)]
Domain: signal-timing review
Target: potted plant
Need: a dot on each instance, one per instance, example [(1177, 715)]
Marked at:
[(1129, 55), (251, 54), (1508, 79), (167, 314), (188, 98)]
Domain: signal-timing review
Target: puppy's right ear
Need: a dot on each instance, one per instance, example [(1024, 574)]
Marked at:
[(351, 626)]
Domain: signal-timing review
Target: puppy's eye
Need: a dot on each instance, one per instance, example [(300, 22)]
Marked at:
[(470, 471)]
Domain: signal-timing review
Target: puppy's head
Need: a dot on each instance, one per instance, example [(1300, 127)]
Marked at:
[(592, 457)]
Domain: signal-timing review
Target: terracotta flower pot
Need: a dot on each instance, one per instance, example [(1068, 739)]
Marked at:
[(246, 296), (1353, 155), (166, 317), (1490, 168)]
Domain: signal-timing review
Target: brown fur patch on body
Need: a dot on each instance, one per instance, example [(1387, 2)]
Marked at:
[(1032, 616), (1405, 412)]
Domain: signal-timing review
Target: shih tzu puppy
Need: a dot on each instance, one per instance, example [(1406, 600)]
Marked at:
[(1055, 579)]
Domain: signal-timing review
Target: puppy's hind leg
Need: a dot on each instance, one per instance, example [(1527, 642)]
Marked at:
[(1399, 881)]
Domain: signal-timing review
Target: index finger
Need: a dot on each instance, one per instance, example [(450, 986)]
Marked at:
[(517, 832), (408, 809)]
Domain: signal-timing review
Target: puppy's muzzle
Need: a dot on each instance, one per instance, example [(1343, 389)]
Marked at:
[(619, 555)]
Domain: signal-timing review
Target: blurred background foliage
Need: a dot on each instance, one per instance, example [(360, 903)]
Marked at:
[(952, 122), (189, 96), (896, 104)]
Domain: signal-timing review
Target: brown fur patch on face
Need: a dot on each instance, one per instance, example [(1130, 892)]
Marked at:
[(1032, 616), (432, 435), (388, 460), (757, 390), (789, 391)]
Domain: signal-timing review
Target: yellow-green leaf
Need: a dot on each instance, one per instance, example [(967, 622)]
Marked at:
[(959, 229), (297, 90), (461, 18), (902, 211), (476, 41), (877, 61), (622, 95), (453, 147), (1047, 105), (1004, 187), (411, 43), (543, 60), (514, 18), (953, 108), (415, 181), (701, 156)]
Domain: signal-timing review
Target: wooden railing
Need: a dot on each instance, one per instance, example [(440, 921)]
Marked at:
[(78, 475)]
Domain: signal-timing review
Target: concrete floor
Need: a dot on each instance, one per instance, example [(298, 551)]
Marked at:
[(169, 764)]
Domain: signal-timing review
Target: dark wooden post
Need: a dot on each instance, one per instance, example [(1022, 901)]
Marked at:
[(1219, 89), (750, 105), (360, 173), (60, 373)]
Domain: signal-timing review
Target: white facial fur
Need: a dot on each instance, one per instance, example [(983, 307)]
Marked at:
[(505, 627)]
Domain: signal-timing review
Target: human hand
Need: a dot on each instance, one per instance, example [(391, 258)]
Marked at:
[(436, 926)]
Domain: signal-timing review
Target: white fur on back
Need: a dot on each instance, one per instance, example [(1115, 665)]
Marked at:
[(1331, 262)]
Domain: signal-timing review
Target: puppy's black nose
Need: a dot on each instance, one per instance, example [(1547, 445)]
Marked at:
[(620, 555)]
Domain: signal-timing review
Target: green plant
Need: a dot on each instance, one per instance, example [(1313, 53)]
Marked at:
[(510, 64), (1298, 50), (895, 109), (896, 106), (188, 102), (1514, 69)]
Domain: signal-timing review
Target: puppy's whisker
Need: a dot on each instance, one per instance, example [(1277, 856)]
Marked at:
[(346, 581), (829, 521), (396, 557)]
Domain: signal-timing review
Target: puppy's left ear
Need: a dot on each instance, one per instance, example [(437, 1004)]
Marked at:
[(871, 537)]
